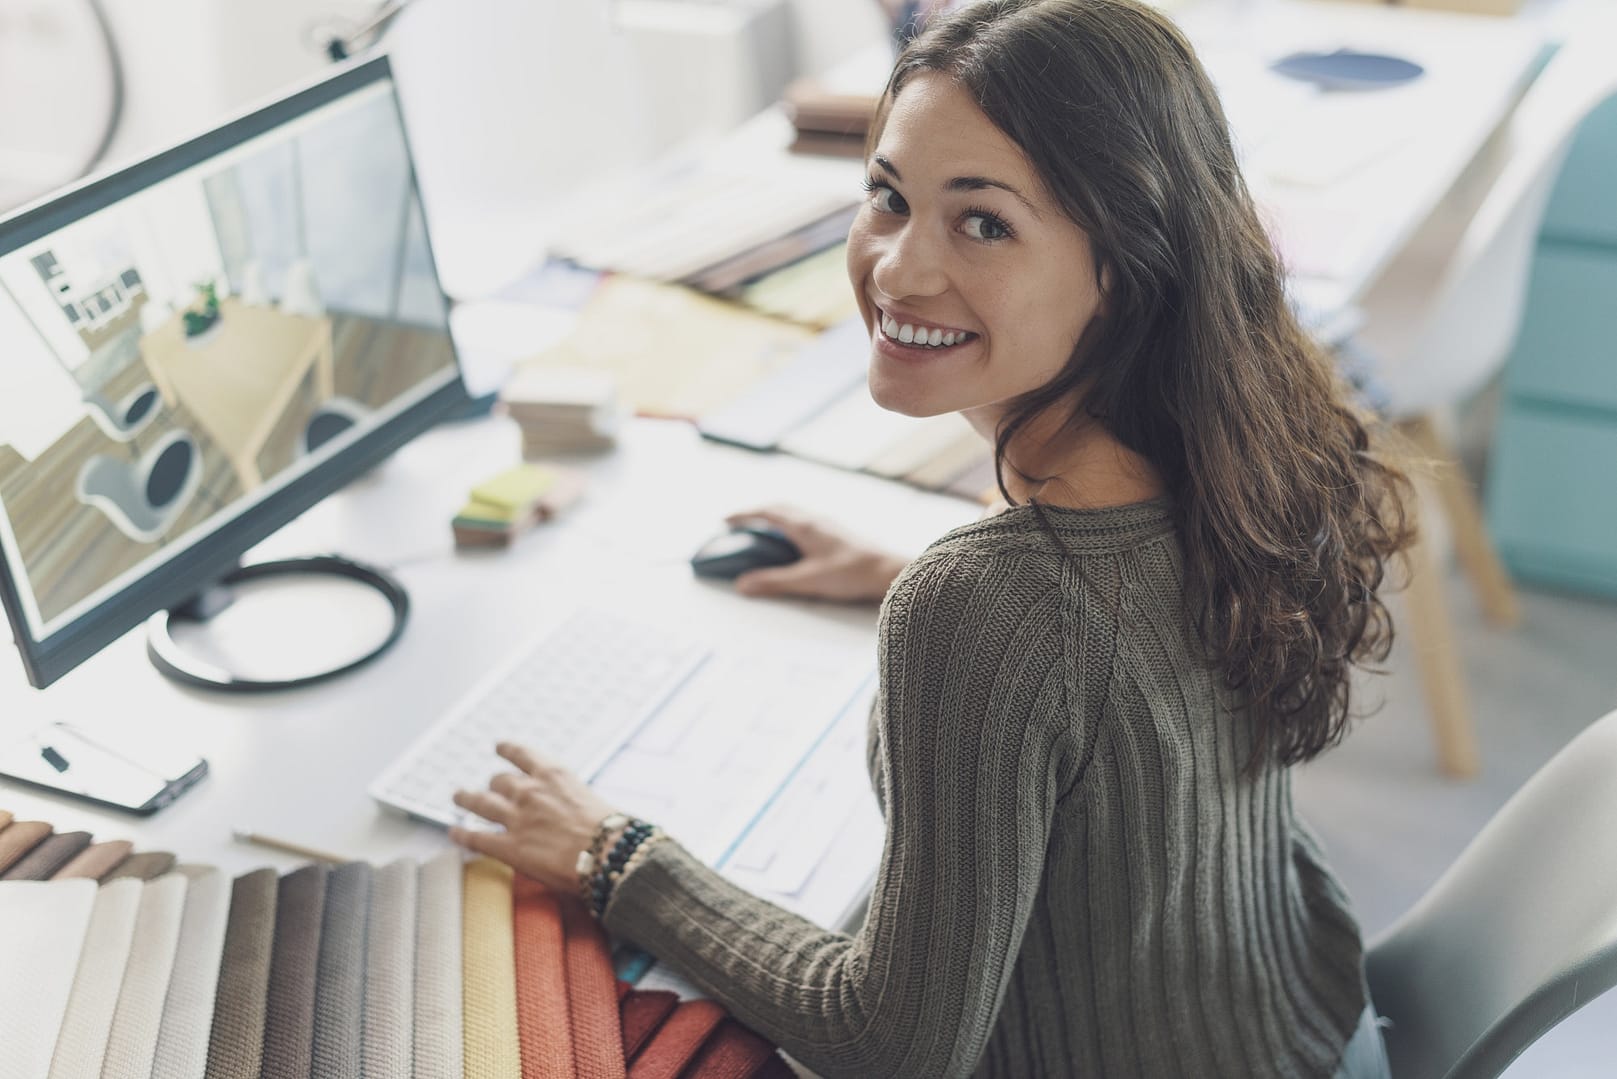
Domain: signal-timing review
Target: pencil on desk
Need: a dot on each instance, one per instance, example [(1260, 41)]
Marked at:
[(243, 835)]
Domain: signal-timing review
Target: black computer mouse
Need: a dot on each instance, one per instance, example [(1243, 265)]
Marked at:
[(748, 547)]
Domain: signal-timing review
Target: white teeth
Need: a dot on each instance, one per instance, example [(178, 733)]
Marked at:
[(925, 337)]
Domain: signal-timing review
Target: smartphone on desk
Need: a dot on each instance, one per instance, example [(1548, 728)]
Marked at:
[(64, 758)]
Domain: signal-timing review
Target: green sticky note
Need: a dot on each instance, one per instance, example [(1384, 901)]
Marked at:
[(516, 489), (479, 511)]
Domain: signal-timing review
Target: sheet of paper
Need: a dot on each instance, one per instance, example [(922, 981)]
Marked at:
[(673, 351)]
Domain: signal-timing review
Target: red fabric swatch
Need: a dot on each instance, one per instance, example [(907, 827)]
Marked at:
[(643, 1012), (678, 1040), (733, 1052), (775, 1068), (592, 995), (544, 1025)]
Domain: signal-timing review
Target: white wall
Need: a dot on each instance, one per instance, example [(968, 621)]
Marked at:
[(831, 30)]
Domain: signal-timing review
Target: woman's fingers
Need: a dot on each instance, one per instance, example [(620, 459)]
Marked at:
[(497, 845), (486, 804), (510, 785), (523, 757), (783, 581)]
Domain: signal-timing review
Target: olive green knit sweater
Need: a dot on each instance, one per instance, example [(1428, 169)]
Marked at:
[(1079, 877)]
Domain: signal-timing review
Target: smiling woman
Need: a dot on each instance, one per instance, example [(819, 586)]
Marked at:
[(1089, 702)]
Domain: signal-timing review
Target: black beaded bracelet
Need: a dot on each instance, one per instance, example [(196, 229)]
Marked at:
[(609, 871)]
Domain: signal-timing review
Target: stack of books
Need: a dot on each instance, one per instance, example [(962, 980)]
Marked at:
[(562, 409), (502, 508), (827, 121)]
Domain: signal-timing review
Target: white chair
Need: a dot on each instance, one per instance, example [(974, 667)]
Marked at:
[(144, 498), (1518, 934), (1441, 322)]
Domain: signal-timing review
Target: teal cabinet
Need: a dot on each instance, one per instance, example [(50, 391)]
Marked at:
[(1552, 475)]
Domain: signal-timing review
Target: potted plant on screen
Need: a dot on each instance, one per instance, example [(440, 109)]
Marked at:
[(203, 314)]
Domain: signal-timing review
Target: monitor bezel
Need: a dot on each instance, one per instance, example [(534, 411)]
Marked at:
[(206, 558)]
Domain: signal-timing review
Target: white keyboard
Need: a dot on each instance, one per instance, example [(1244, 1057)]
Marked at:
[(575, 694)]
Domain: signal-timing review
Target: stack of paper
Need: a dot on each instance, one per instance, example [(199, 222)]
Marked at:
[(672, 351), (562, 409), (507, 505)]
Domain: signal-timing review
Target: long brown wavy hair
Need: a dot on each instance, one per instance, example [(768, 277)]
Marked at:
[(1287, 513)]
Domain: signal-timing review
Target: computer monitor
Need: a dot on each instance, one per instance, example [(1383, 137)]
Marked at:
[(197, 348)]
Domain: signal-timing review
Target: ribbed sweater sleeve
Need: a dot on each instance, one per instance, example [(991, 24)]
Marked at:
[(976, 741)]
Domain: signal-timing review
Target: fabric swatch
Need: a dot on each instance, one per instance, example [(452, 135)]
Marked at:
[(42, 931), (138, 1019), (81, 1044), (294, 965), (592, 995), (147, 865), (732, 1052), (544, 1026), (236, 1044), (182, 1042), (51, 854), (678, 1040), (439, 1043), (95, 861), (390, 973), (339, 997), (18, 838), (643, 1011), (487, 962)]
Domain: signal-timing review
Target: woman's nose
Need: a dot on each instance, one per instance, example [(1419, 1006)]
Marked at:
[(910, 262)]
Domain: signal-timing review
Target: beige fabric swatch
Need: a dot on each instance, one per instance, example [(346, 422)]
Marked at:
[(42, 930), (438, 1032), (81, 1045), (182, 1042), (489, 961), (136, 1022)]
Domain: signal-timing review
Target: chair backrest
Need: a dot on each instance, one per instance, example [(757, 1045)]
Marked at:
[(1477, 309), (1518, 934)]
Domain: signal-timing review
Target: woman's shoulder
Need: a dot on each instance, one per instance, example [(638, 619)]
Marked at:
[(1060, 530)]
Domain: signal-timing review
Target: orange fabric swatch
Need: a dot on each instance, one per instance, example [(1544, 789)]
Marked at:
[(544, 1026), (678, 1040), (733, 1052), (643, 1011), (592, 995)]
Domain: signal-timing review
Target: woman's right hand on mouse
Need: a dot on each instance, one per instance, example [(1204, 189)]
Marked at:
[(833, 565)]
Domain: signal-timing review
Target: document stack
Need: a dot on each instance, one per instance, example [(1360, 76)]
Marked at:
[(502, 508), (562, 410)]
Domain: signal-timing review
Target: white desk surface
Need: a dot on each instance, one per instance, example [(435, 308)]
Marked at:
[(1347, 178), (1344, 179), (295, 764)]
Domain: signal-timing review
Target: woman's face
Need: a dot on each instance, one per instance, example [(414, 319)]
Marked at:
[(960, 242)]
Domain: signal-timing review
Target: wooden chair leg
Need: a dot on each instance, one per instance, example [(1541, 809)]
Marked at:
[(1472, 545), (1432, 634)]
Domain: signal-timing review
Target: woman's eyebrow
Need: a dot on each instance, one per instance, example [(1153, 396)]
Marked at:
[(963, 183)]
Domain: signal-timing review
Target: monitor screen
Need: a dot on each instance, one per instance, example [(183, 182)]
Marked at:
[(195, 349)]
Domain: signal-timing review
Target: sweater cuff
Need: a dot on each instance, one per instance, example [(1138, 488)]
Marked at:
[(643, 898)]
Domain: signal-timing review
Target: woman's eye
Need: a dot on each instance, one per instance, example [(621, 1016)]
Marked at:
[(981, 226), (886, 200)]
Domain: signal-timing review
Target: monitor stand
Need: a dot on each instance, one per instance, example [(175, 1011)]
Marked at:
[(174, 661)]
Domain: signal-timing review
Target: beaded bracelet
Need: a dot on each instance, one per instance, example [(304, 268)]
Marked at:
[(608, 871), (584, 867)]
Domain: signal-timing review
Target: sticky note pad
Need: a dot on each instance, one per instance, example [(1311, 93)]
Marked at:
[(482, 512), (516, 489)]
